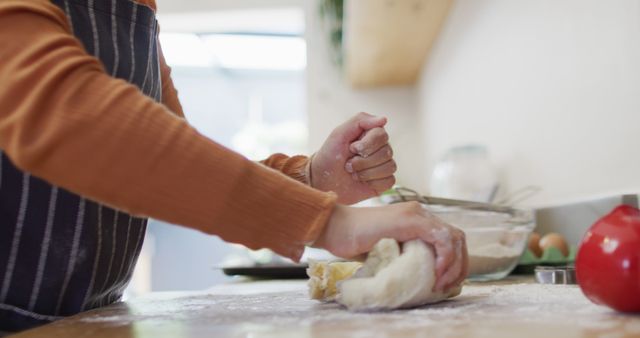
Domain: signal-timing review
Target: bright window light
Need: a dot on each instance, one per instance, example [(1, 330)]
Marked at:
[(185, 50), (257, 51), (235, 51)]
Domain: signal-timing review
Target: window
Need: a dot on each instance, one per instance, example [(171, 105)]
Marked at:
[(242, 84), (245, 91)]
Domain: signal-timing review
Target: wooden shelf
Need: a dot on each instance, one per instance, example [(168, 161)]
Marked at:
[(387, 41)]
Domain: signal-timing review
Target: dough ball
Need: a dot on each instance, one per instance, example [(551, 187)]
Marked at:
[(382, 254), (399, 280), (323, 277)]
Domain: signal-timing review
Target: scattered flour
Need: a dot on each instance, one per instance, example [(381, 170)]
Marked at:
[(481, 310)]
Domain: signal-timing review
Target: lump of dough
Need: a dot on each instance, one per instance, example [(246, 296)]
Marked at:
[(323, 277), (405, 280), (382, 254)]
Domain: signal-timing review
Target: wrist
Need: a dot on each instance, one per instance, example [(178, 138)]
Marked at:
[(337, 236), (323, 238), (308, 172)]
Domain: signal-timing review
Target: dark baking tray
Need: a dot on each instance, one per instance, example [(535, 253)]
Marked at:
[(269, 271)]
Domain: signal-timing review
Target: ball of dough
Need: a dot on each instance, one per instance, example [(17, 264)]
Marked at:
[(324, 277), (401, 281), (554, 240)]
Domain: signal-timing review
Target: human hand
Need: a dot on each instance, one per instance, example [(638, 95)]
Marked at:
[(356, 161), (351, 232)]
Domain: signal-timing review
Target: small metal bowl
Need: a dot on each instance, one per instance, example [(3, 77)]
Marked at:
[(555, 274)]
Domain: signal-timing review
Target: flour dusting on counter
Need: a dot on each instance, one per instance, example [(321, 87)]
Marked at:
[(285, 307)]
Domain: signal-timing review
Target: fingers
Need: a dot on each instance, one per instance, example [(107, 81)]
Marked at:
[(382, 185), (445, 252), (450, 250), (368, 121), (354, 128), (372, 141), (359, 163), (456, 271), (465, 266), (382, 171), (453, 275)]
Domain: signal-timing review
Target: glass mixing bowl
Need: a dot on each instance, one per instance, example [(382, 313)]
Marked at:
[(495, 240), (496, 235)]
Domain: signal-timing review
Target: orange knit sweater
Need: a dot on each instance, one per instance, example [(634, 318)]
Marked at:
[(63, 119)]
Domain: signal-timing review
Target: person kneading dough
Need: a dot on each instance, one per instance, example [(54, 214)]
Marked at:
[(388, 279), (94, 141)]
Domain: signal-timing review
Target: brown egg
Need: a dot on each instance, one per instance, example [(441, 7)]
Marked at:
[(534, 247), (554, 240)]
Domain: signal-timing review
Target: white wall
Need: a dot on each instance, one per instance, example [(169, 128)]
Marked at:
[(552, 87), (331, 101)]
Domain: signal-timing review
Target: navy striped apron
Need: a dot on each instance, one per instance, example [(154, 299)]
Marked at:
[(61, 253)]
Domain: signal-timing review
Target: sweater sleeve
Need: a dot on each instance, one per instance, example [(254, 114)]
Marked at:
[(63, 119), (296, 167)]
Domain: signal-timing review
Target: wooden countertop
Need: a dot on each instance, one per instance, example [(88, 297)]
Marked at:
[(511, 308)]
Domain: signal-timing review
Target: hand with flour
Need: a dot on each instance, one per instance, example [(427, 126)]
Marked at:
[(351, 232), (356, 161)]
